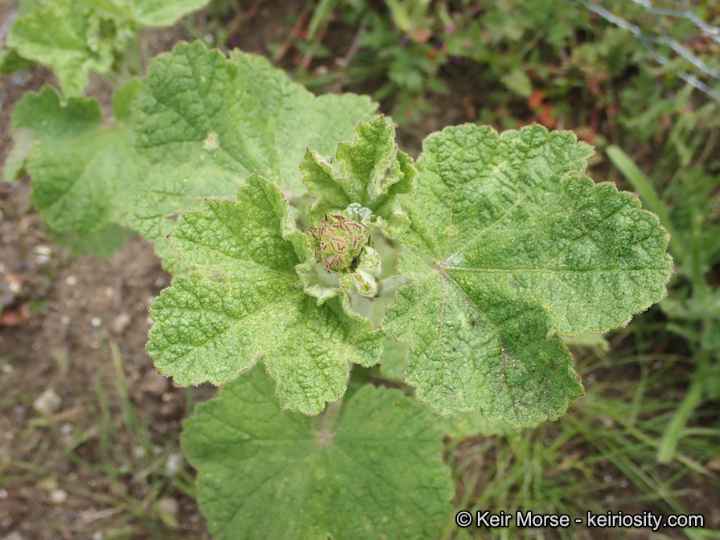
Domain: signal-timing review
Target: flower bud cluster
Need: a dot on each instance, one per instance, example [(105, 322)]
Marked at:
[(344, 246)]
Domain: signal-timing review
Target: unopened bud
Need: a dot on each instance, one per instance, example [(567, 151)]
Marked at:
[(338, 242)]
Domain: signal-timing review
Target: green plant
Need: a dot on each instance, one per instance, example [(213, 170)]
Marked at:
[(515, 46), (690, 211), (509, 63), (502, 245), (76, 37)]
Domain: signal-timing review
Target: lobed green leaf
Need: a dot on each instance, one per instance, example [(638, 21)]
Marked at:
[(102, 243), (463, 425), (205, 123), (11, 61), (377, 473), (67, 36), (245, 300), (510, 247), (78, 165), (158, 12), (75, 38)]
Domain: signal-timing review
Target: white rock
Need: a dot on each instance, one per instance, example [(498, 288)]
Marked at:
[(14, 536), (169, 505), (173, 464), (154, 383), (58, 496), (47, 403), (96, 321), (120, 323)]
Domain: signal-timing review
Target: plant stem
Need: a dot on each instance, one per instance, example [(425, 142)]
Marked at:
[(388, 286), (326, 422)]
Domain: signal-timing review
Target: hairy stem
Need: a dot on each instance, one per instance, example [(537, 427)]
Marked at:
[(326, 422), (388, 286)]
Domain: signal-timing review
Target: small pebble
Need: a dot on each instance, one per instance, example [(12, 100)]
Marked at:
[(21, 79), (3, 494), (58, 496), (120, 323), (42, 250), (7, 368), (173, 465), (96, 321), (169, 409), (65, 319), (14, 283), (154, 383), (15, 536), (47, 403), (71, 280), (6, 295), (169, 505)]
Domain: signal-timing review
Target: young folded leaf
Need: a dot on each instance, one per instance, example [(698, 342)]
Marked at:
[(377, 473), (245, 300), (524, 248), (371, 175), (206, 122)]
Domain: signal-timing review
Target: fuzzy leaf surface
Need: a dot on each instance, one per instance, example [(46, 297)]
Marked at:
[(510, 247), (245, 301), (463, 425), (158, 12), (11, 61), (65, 35), (75, 38), (77, 164), (40, 116), (378, 473), (370, 172), (206, 122), (102, 243)]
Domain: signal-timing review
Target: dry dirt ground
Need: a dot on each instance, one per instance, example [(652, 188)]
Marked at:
[(104, 461)]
